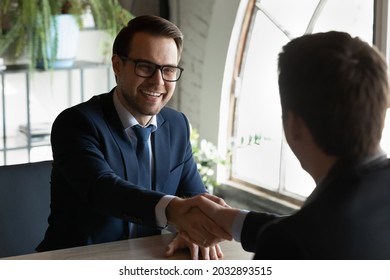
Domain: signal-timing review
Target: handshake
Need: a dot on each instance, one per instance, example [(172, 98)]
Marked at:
[(204, 219)]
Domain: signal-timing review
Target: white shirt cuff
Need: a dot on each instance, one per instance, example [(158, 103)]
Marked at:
[(161, 218), (238, 224)]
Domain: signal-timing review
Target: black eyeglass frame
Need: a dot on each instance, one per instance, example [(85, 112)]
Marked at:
[(156, 66)]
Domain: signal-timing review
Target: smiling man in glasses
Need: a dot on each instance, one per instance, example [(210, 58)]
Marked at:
[(122, 160)]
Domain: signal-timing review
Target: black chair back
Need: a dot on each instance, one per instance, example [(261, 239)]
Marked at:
[(24, 206)]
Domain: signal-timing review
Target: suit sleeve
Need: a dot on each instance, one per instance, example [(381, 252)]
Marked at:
[(253, 224), (82, 171), (274, 242), (265, 235)]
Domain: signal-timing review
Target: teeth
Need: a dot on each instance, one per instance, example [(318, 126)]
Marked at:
[(154, 94)]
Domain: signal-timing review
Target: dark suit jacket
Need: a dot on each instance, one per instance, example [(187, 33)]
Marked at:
[(346, 217), (94, 181)]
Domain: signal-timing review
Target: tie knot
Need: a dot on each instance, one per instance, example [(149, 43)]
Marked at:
[(142, 133)]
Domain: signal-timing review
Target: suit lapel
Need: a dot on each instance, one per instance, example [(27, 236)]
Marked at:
[(161, 151), (115, 126)]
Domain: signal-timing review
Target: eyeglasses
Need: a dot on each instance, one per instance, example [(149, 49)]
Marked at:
[(147, 69)]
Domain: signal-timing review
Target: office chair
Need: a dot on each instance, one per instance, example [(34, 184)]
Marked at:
[(24, 206)]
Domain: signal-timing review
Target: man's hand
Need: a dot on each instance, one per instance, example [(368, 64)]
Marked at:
[(207, 253), (198, 227), (215, 208)]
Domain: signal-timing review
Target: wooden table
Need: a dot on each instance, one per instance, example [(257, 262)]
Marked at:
[(146, 248)]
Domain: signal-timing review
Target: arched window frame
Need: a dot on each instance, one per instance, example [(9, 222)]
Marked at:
[(379, 38)]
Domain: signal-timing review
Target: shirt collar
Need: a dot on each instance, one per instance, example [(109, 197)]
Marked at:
[(126, 117)]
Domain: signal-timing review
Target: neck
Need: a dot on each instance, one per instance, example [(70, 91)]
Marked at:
[(321, 167)]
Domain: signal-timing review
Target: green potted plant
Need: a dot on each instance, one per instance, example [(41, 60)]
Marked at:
[(31, 27)]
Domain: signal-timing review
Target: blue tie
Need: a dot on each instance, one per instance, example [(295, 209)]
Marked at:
[(143, 156)]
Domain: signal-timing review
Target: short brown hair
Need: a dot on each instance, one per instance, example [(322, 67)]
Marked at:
[(151, 24), (339, 86)]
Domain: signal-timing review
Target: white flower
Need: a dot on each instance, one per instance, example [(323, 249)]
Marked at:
[(207, 157)]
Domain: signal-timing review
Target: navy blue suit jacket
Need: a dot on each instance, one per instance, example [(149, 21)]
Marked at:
[(346, 217), (94, 183)]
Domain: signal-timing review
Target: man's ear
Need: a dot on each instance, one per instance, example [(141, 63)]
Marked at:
[(116, 64)]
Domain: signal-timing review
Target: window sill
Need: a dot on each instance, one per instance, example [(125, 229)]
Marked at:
[(244, 197)]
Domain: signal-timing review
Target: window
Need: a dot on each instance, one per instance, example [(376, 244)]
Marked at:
[(272, 165)]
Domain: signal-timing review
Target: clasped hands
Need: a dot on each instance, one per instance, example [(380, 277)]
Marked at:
[(203, 220)]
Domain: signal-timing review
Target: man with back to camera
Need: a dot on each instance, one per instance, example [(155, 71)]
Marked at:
[(334, 95), (101, 190)]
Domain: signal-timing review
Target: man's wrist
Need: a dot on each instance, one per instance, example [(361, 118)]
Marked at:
[(171, 210)]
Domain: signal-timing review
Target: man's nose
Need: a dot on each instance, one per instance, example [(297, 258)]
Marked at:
[(157, 77)]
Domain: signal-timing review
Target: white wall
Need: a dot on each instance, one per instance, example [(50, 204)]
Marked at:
[(207, 26)]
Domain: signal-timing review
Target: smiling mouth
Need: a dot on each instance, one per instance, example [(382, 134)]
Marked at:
[(151, 93)]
